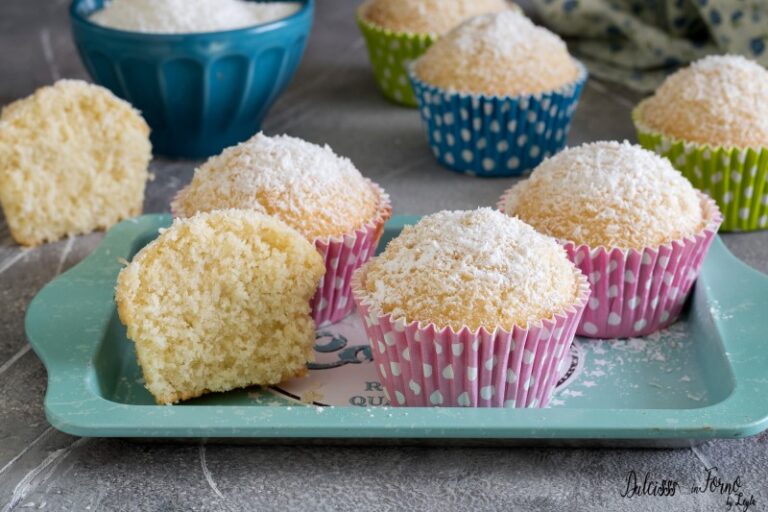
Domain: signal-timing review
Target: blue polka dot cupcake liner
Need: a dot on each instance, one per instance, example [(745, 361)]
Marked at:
[(493, 136)]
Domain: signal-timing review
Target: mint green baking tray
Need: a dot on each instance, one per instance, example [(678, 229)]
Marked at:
[(705, 377)]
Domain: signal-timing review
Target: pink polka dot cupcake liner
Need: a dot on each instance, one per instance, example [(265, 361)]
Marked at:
[(342, 256), (421, 365), (637, 292)]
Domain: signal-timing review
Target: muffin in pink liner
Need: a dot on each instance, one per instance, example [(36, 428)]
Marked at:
[(316, 192), (470, 309), (630, 222)]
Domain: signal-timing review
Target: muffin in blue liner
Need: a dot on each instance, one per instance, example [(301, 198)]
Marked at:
[(493, 136)]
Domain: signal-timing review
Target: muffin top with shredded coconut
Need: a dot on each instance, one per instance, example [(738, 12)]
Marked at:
[(307, 186), (476, 268), (433, 17), (498, 54), (608, 194), (719, 100)]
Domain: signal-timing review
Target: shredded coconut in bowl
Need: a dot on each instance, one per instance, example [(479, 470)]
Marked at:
[(189, 16), (476, 268)]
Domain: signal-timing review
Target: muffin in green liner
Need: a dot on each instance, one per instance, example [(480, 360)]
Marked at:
[(734, 177), (399, 31), (710, 120), (390, 52)]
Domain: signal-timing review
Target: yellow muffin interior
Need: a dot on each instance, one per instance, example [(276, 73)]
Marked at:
[(719, 100), (309, 187), (73, 158), (220, 301), (476, 268), (427, 16), (501, 54), (608, 194)]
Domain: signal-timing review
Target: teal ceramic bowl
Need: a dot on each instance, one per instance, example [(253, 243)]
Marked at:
[(199, 92)]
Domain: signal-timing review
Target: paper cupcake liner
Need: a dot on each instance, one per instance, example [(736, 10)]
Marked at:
[(736, 178), (637, 292), (390, 53), (496, 136), (342, 255), (422, 365)]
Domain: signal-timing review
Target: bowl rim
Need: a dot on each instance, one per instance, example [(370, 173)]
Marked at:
[(307, 9)]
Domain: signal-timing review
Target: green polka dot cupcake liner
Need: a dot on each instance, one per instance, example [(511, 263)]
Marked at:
[(496, 136), (390, 53), (734, 177)]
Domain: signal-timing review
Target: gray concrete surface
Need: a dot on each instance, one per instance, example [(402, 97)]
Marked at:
[(332, 100)]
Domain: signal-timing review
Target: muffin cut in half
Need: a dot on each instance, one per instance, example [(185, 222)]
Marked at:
[(220, 301), (309, 187), (73, 159)]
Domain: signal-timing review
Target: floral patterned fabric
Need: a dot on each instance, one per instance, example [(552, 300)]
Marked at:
[(639, 42)]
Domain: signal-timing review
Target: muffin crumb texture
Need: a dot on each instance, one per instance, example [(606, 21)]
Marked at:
[(73, 159), (608, 194), (719, 100), (309, 187), (471, 268), (433, 17), (220, 301), (501, 54)]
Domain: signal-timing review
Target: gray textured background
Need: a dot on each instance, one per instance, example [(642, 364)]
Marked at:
[(332, 100)]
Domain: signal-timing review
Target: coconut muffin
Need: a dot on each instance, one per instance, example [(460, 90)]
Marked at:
[(432, 17), (711, 120), (608, 194), (316, 192), (73, 159), (399, 31), (497, 94), (718, 100), (309, 187), (632, 223), (479, 299), (220, 301), (474, 269), (502, 54)]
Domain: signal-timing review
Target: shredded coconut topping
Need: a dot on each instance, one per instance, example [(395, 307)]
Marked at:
[(608, 194), (719, 100), (427, 16), (501, 54), (189, 16), (309, 187), (474, 268)]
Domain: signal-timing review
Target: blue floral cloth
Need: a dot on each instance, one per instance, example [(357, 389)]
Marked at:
[(639, 42)]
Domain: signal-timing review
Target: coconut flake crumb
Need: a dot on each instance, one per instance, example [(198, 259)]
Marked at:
[(501, 54), (608, 194), (189, 16), (719, 100), (474, 268), (307, 186)]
